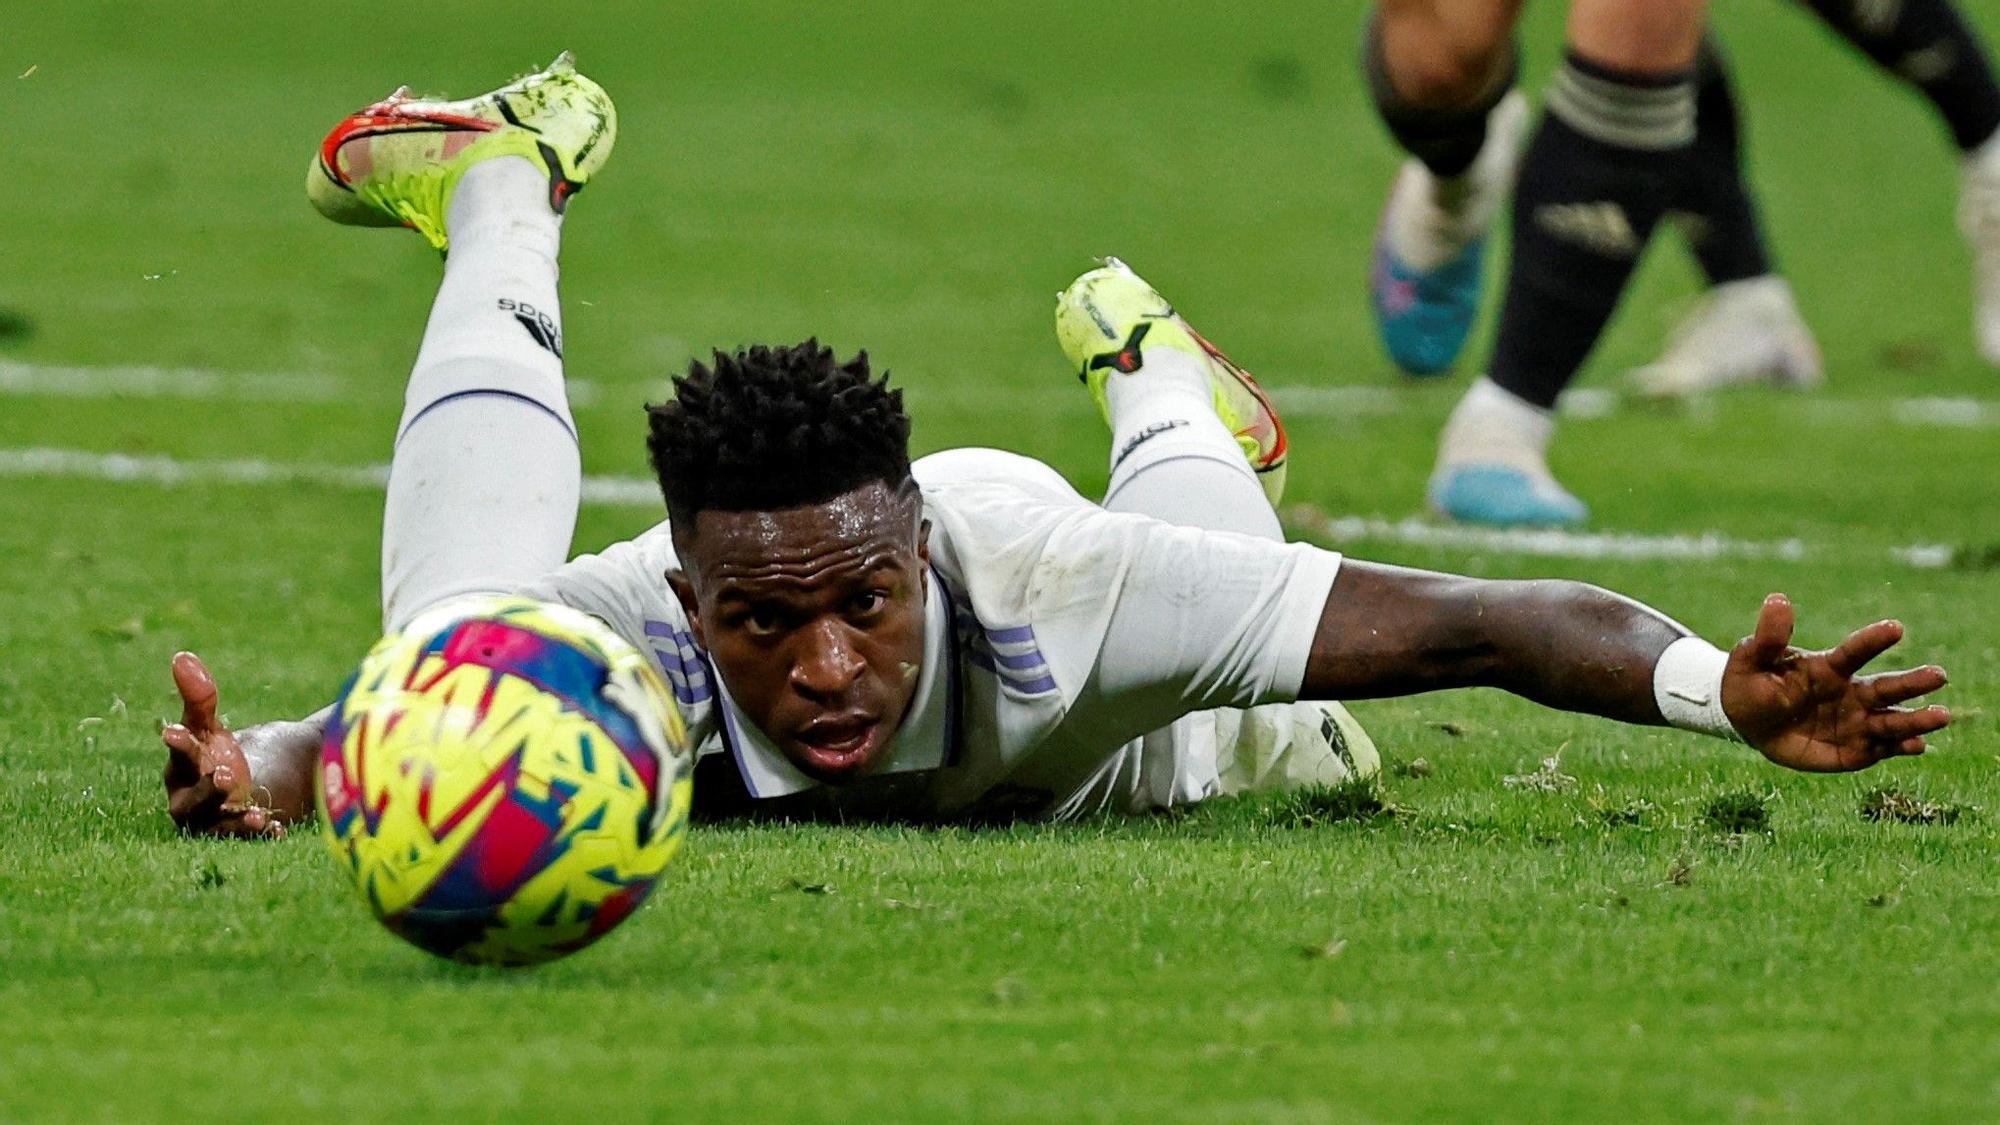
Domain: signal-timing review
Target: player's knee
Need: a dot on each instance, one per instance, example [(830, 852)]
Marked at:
[(436, 383), (1444, 74), (1431, 56), (1644, 36)]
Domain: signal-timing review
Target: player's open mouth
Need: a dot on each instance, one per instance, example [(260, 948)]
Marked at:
[(837, 745)]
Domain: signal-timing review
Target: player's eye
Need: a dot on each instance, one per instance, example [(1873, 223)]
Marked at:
[(868, 603), (762, 621)]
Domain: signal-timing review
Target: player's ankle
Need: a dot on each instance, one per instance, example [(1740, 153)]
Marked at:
[(1492, 425), (503, 192), (1168, 374), (1984, 158)]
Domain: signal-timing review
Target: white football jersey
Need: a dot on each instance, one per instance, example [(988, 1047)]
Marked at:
[(1059, 636)]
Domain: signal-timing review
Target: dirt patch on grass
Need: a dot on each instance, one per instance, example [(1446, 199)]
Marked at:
[(1621, 814), (1548, 779), (1680, 873), (1739, 813), (1901, 807), (1361, 800)]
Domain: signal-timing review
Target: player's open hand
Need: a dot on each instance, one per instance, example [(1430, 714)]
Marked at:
[(209, 788), (1812, 710)]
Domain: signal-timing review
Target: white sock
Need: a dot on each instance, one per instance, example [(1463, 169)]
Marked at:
[(1434, 217), (1173, 459), (501, 269), (1986, 157), (483, 488), (1496, 427)]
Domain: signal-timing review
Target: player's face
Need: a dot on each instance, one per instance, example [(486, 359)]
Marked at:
[(814, 618)]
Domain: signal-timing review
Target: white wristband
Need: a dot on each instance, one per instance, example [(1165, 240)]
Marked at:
[(1687, 684)]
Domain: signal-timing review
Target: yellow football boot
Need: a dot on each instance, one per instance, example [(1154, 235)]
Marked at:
[(396, 162), (1109, 319)]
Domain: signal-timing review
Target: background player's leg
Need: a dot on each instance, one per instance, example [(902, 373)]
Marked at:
[(1748, 327), (1596, 180), (1441, 73), (483, 488), (1726, 237), (1436, 69), (1930, 46)]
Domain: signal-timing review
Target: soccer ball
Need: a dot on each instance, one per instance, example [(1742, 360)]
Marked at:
[(504, 780)]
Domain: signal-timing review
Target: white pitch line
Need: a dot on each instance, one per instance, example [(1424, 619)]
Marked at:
[(202, 384), (641, 492), (171, 472), (624, 492), (32, 379), (1926, 556), (1960, 413), (1298, 401), (1363, 401), (1546, 542), (1557, 543)]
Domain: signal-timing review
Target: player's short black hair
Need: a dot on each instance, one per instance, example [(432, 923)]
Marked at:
[(766, 428)]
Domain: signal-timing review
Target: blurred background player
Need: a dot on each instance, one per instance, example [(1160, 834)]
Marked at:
[(1931, 47), (1747, 327), (1641, 123)]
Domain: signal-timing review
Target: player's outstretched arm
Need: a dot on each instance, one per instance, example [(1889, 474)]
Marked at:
[(1394, 631), (220, 782)]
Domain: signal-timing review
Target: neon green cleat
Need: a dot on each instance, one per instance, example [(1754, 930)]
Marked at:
[(1108, 319), (396, 162)]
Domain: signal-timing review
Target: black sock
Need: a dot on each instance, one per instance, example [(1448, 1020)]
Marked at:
[(1928, 45), (1603, 168), (1448, 139), (1720, 215)]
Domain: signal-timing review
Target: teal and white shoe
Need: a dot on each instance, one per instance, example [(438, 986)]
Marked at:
[(1497, 495), (1424, 317), (1492, 465), (1427, 272)]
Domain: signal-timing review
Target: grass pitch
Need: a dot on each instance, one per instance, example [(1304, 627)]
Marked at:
[(1656, 926)]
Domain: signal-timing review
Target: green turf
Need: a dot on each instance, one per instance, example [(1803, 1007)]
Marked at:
[(919, 180)]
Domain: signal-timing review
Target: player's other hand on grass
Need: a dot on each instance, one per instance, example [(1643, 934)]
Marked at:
[(1812, 710), (209, 788)]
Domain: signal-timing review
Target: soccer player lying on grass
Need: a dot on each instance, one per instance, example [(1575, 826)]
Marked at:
[(965, 636)]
